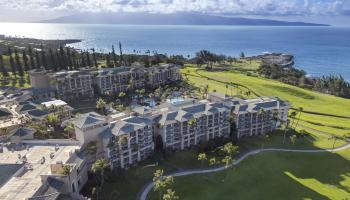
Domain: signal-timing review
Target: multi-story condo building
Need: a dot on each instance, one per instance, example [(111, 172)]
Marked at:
[(259, 116), (79, 84), (115, 80), (162, 75), (255, 116), (127, 138), (129, 141), (54, 170), (189, 125), (66, 84), (72, 84)]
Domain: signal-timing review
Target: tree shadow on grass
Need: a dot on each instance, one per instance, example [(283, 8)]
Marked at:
[(273, 175)]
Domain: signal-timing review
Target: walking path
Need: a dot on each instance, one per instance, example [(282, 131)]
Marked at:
[(148, 187)]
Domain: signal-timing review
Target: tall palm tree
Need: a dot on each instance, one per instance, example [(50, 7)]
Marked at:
[(293, 115), (212, 161), (202, 157), (205, 90), (170, 195), (262, 114), (100, 166), (286, 127), (100, 105), (300, 111), (161, 182)]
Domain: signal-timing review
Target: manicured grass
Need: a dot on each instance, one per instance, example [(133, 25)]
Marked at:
[(309, 100), (273, 175), (275, 140), (126, 185), (244, 64)]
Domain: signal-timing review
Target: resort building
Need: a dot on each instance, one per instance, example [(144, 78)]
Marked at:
[(71, 85), (129, 141), (259, 116), (42, 171), (185, 126), (88, 127), (115, 80), (127, 138), (164, 74), (255, 116)]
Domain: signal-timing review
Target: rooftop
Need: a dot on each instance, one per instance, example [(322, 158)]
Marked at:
[(28, 182), (55, 103), (89, 119)]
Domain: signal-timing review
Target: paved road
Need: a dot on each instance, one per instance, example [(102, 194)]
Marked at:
[(147, 188)]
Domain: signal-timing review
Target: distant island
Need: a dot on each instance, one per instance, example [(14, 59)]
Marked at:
[(170, 19)]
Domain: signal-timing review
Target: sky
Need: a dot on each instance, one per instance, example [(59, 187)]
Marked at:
[(335, 12)]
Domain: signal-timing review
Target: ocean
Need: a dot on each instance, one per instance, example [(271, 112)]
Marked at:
[(317, 50)]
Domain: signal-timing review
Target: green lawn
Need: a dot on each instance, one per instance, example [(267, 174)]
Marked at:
[(309, 100), (126, 185), (273, 175)]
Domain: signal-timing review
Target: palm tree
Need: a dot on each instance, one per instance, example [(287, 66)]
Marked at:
[(170, 195), (227, 160), (335, 137), (229, 149), (100, 166), (286, 127), (275, 117), (293, 115), (91, 148), (267, 137), (53, 119), (66, 170), (192, 122), (123, 140), (212, 161), (293, 139), (100, 105), (69, 128), (161, 182), (205, 90), (262, 114), (202, 157), (300, 111)]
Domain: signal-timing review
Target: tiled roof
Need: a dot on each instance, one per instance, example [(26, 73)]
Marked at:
[(50, 190), (89, 119), (129, 125), (37, 113), (25, 107), (5, 112), (21, 132)]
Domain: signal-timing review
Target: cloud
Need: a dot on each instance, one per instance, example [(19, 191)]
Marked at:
[(231, 7)]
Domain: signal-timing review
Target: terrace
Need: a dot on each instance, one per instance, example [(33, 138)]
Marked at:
[(27, 179)]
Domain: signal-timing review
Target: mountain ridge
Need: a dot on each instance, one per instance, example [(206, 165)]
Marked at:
[(170, 19)]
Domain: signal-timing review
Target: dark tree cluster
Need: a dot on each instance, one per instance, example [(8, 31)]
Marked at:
[(205, 57), (331, 84)]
